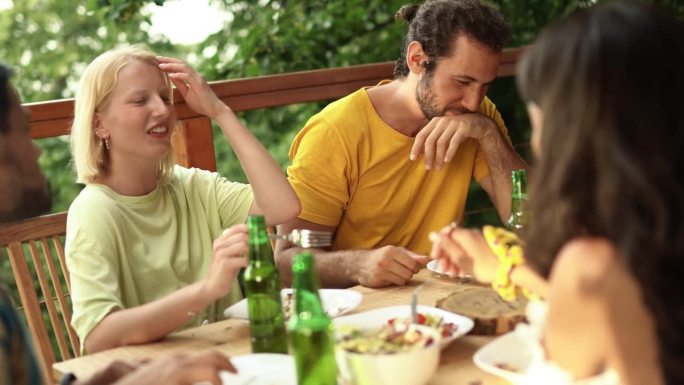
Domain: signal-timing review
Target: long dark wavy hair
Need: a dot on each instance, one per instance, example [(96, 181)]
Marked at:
[(610, 83), (436, 23)]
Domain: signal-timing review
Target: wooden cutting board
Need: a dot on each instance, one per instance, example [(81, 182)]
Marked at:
[(492, 315)]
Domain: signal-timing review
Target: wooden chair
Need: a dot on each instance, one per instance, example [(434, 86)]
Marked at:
[(35, 248)]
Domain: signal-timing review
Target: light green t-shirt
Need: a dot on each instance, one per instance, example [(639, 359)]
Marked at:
[(125, 251)]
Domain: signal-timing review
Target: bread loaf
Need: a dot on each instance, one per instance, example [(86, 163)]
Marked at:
[(492, 315)]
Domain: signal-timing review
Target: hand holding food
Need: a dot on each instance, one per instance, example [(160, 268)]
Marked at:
[(465, 250)]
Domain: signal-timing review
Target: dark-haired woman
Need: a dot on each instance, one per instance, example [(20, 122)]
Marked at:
[(606, 245)]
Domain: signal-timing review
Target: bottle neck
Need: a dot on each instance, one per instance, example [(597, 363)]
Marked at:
[(518, 205), (306, 286), (259, 244), (519, 193)]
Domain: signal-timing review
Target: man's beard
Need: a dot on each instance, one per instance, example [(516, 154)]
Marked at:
[(28, 203), (426, 98)]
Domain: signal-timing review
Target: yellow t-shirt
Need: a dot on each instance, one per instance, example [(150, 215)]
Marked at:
[(125, 251), (352, 171)]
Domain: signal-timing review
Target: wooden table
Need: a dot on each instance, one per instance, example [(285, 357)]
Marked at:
[(232, 338)]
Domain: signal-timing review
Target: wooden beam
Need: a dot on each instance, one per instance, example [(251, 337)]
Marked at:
[(54, 118), (194, 144)]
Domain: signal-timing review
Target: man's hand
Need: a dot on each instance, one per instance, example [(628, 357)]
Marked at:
[(389, 265), (181, 369), (442, 136), (110, 374)]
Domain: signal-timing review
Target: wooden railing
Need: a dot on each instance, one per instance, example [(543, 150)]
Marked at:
[(194, 143)]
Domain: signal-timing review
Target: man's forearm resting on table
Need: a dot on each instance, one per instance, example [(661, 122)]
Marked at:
[(148, 322), (335, 268)]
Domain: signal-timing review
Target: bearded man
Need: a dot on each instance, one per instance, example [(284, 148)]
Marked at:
[(385, 166)]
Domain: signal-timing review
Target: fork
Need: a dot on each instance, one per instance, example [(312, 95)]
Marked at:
[(414, 303), (306, 238)]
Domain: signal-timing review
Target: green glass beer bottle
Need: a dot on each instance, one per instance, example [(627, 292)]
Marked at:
[(310, 328), (262, 287), (519, 215)]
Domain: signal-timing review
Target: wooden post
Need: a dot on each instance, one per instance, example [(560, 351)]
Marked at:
[(194, 144)]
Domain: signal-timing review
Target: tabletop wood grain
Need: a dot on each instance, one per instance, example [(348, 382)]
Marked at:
[(231, 337)]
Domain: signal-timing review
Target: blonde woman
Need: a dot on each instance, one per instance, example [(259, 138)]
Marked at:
[(152, 246)]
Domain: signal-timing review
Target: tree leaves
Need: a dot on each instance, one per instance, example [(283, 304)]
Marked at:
[(119, 10), (49, 42)]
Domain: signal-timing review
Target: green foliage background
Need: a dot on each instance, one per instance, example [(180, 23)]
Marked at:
[(49, 42)]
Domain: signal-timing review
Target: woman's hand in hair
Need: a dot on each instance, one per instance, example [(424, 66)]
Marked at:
[(192, 86)]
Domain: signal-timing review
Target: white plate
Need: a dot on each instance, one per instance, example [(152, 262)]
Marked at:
[(373, 319), (335, 302), (433, 266), (262, 368), (508, 350)]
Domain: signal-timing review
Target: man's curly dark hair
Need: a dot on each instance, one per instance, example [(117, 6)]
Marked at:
[(436, 23)]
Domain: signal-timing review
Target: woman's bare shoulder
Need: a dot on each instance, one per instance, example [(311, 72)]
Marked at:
[(574, 299), (585, 263), (591, 285)]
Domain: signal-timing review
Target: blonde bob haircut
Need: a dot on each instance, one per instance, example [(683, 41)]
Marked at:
[(90, 156)]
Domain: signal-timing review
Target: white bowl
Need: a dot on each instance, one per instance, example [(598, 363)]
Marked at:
[(415, 367), (507, 356), (376, 318)]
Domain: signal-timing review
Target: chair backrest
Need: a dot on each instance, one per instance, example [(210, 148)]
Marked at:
[(35, 249)]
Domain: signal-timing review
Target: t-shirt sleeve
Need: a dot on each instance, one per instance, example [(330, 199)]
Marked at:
[(319, 173), (234, 201), (93, 268), (489, 110)]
